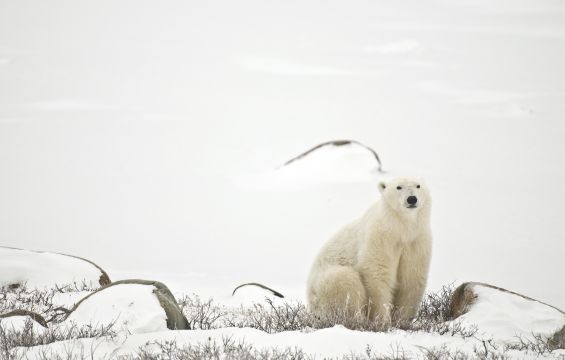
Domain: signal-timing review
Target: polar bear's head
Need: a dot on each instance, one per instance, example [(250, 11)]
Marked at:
[(405, 195)]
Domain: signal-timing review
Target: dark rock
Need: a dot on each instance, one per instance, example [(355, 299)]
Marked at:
[(104, 278)]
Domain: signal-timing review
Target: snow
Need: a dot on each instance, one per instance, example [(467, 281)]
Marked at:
[(44, 269), (285, 67), (67, 105), (18, 323), (506, 317), (397, 47), (133, 308), (69, 299), (351, 163), (498, 316), (335, 341), (331, 342)]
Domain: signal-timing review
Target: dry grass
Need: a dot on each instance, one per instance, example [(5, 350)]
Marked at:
[(228, 349), (202, 314), (11, 338), (289, 316), (538, 344), (42, 302)]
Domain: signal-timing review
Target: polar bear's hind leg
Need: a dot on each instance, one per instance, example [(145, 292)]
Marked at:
[(338, 289)]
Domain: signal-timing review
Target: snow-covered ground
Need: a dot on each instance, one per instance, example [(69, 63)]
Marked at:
[(149, 138), (495, 320), (499, 319), (326, 343)]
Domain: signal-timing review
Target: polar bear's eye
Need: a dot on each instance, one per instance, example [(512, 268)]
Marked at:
[(417, 186), (399, 188)]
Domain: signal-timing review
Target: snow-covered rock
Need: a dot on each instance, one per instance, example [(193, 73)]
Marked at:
[(504, 315), (18, 319), (136, 306), (339, 161), (39, 269)]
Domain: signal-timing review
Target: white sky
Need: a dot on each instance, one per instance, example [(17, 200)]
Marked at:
[(123, 124)]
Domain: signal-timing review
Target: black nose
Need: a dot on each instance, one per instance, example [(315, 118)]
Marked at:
[(412, 200)]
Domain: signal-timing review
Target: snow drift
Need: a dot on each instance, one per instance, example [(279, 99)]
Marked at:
[(40, 269)]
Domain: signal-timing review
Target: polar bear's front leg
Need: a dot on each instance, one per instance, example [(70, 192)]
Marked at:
[(412, 279), (408, 296), (379, 284)]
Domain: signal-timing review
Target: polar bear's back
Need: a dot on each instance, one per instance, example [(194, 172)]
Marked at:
[(342, 248)]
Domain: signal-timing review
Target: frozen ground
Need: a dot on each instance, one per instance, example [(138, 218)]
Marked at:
[(147, 138)]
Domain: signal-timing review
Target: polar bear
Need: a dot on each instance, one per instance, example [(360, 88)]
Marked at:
[(378, 263)]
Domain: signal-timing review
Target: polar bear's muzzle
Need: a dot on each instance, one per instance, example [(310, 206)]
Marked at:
[(412, 202)]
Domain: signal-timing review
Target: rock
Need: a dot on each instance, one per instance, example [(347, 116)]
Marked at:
[(557, 341), (337, 143), (104, 279), (39, 269), (17, 319), (504, 314), (462, 299), (137, 306)]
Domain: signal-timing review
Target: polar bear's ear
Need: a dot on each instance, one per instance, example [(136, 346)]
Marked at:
[(382, 186)]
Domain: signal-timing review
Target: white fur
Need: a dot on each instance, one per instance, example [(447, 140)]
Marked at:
[(379, 262)]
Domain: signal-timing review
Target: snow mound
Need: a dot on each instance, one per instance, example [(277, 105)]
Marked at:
[(343, 161), (249, 295), (39, 269), (19, 323), (507, 316), (131, 307)]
